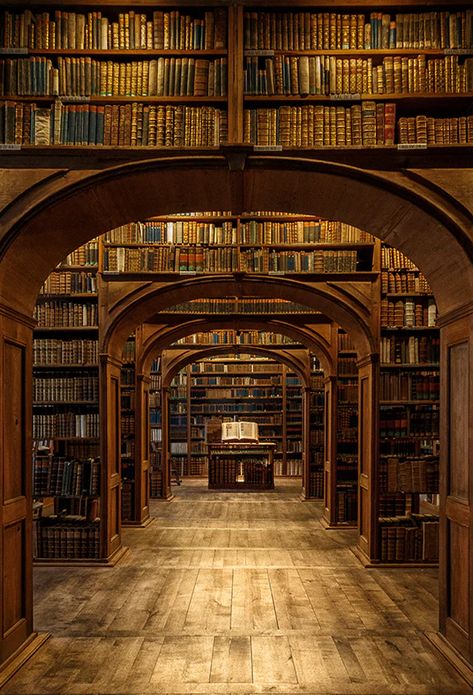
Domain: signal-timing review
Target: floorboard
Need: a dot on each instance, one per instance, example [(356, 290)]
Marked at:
[(236, 594)]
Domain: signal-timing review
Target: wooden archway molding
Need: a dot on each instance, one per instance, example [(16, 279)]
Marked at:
[(161, 337), (58, 214), (187, 356), (348, 305)]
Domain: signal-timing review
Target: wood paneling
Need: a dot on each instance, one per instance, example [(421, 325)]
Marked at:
[(13, 590), (459, 581), (14, 430), (458, 421)]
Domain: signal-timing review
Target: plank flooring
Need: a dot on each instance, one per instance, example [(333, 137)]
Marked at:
[(236, 594)]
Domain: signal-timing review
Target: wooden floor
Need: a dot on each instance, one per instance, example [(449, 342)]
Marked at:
[(236, 593)]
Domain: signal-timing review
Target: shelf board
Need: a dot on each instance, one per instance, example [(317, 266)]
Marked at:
[(357, 52), (117, 99), (58, 402), (422, 295), (409, 328), (409, 402), (126, 53), (43, 296), (356, 275), (409, 365), (68, 329), (65, 367), (424, 98)]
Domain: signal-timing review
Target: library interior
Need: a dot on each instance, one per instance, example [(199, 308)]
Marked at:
[(236, 347)]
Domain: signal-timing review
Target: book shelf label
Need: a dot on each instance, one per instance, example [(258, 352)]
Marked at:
[(267, 148), (412, 146), (187, 272), (74, 98), (14, 51), (458, 51), (345, 97), (264, 53), (10, 146)]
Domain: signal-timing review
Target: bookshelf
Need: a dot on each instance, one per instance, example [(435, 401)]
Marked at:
[(259, 243), (246, 387), (66, 428), (316, 428), (210, 74), (128, 429), (155, 429), (409, 414)]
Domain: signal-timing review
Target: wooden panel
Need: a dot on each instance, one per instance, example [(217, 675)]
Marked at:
[(13, 576), (115, 421), (14, 421), (458, 420), (364, 428), (114, 511), (459, 580)]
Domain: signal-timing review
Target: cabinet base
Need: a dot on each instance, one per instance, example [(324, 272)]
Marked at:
[(110, 561)]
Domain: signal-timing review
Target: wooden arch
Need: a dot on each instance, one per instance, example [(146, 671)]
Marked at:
[(349, 307), (68, 208), (188, 356), (164, 336)]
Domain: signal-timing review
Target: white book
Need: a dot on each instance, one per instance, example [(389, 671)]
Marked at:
[(239, 430)]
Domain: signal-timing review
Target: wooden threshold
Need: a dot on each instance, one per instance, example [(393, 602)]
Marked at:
[(337, 526), (21, 656)]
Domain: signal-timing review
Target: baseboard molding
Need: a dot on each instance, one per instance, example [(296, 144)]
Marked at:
[(138, 524), (110, 561), (21, 656), (337, 527), (377, 564), (454, 658)]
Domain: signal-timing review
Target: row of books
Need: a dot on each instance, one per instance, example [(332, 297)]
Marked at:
[(236, 337), (127, 375), (63, 352), (346, 505), (252, 381), (409, 349), (345, 342), (54, 475), (85, 255), (392, 504), (229, 470), (406, 281), (57, 312), (299, 30), (301, 232), (436, 131), (267, 261), (239, 306), (409, 446), (87, 77), (346, 365), (69, 424), (408, 312), (169, 232), (367, 123), (289, 467), (73, 282), (66, 388), (132, 124), (412, 385), (316, 483), (127, 424), (123, 31), (417, 475), (237, 366), (409, 538), (393, 259), (68, 537), (329, 75), (222, 393), (170, 259), (347, 392)]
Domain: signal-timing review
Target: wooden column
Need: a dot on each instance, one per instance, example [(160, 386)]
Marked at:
[(330, 450), (165, 457), (110, 450), (456, 494), (368, 409), (141, 506), (306, 395), (16, 612)]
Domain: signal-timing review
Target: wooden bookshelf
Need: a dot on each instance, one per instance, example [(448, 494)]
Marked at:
[(409, 414), (66, 427)]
